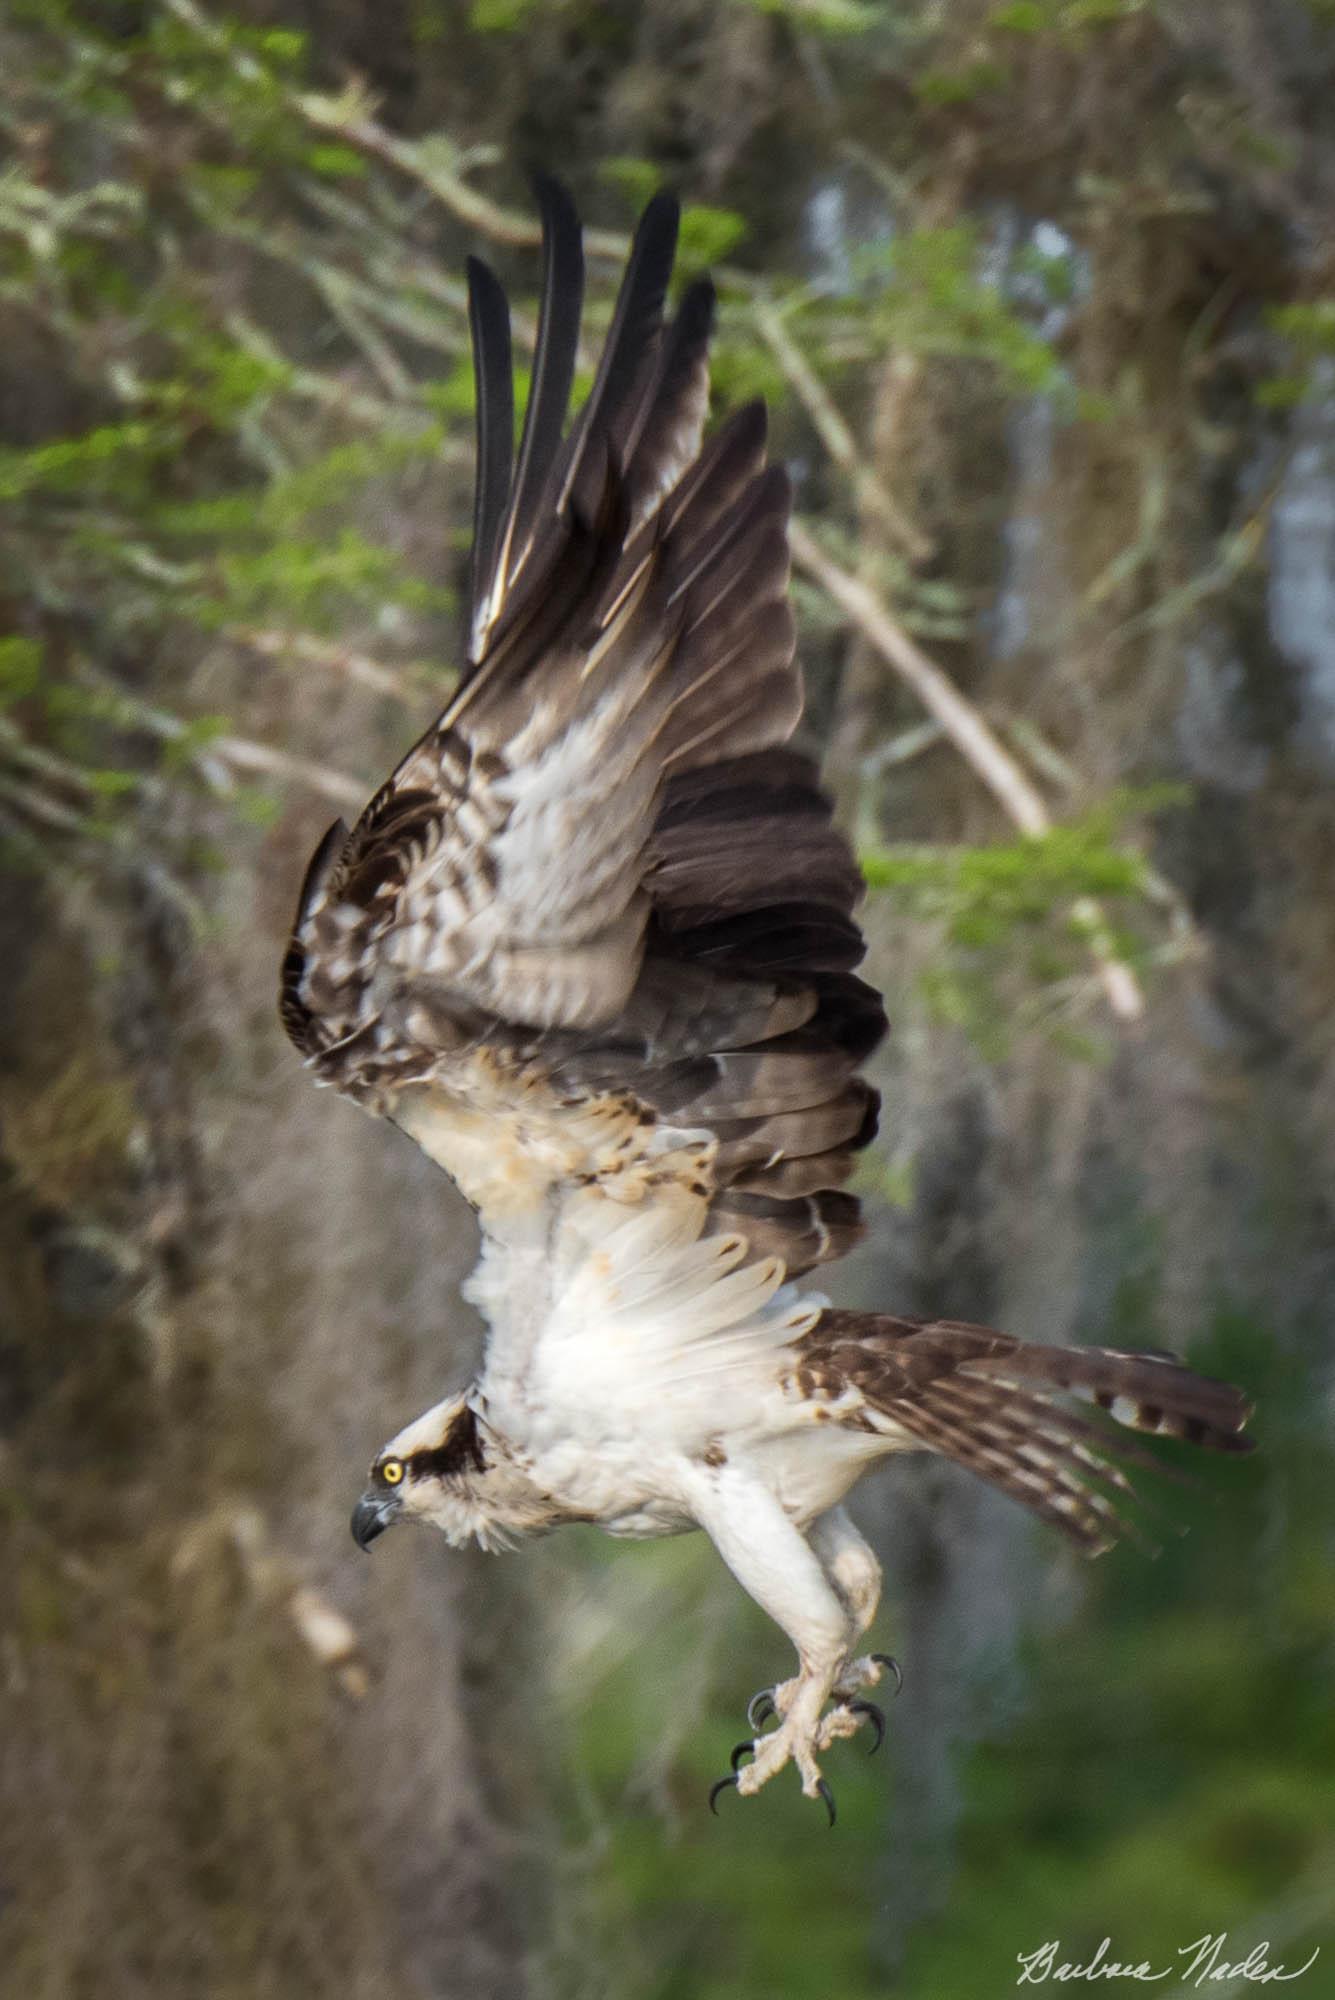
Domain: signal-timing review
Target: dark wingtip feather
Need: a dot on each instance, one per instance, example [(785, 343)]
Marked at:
[(552, 198), (644, 283), (493, 373), (554, 353), (632, 343), (655, 240), (683, 363), (695, 314)]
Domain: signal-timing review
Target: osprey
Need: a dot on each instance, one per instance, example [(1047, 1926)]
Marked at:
[(592, 947)]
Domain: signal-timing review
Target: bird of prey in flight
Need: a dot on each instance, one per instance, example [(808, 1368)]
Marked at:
[(592, 946)]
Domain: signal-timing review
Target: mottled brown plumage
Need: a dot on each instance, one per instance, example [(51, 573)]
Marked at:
[(602, 871)]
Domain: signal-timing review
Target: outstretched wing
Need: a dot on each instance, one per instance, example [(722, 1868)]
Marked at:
[(601, 900), (995, 1404)]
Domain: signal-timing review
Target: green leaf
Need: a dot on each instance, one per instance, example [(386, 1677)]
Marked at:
[(822, 17), (959, 86), (20, 670), (637, 179), (1078, 14), (284, 47), (113, 784), (1310, 325), (256, 807), (104, 456), (1021, 17), (707, 235), (197, 734), (500, 17), (335, 162), (1281, 392)]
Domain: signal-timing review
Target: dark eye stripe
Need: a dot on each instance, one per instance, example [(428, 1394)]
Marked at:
[(460, 1450)]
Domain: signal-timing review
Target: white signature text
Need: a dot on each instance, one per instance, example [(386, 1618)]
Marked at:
[(1199, 1964)]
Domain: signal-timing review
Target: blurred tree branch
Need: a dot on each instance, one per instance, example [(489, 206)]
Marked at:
[(972, 737)]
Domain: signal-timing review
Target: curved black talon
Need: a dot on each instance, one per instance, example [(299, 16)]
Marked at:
[(747, 1749), (722, 1785), (891, 1665), (875, 1716), (760, 1709), (824, 1790)]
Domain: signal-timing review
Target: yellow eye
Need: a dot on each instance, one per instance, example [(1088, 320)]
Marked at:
[(392, 1471)]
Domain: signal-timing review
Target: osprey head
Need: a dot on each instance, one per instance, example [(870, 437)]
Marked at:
[(429, 1472)]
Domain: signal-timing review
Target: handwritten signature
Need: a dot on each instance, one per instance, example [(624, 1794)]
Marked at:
[(1206, 1961)]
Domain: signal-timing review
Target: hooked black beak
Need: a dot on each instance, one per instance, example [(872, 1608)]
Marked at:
[(371, 1516)]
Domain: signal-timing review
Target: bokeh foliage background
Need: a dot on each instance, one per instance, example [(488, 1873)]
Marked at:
[(1041, 295)]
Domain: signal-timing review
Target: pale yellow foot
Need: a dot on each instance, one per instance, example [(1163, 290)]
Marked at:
[(807, 1727)]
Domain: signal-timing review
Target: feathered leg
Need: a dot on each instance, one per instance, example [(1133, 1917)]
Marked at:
[(788, 1579), (854, 1574), (850, 1563)]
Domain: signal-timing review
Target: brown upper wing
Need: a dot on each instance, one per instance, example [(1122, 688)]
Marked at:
[(601, 865)]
